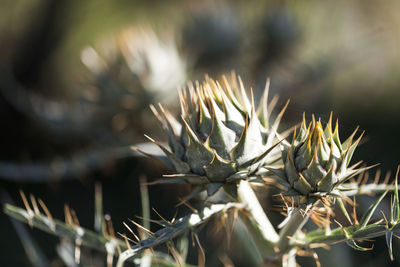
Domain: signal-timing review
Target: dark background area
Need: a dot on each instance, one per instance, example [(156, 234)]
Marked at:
[(61, 116)]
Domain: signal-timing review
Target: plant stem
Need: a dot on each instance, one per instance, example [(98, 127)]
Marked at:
[(341, 234), (289, 259), (171, 231), (108, 244), (56, 227), (297, 219), (144, 195), (367, 189), (258, 224)]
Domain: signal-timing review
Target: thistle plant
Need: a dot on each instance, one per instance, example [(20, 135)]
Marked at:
[(316, 163), (138, 61), (221, 138), (222, 141)]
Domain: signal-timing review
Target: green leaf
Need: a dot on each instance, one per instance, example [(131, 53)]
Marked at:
[(314, 172), (222, 138), (260, 159), (353, 244), (368, 214), (250, 144), (389, 239), (231, 93), (231, 189), (349, 140), (302, 186), (290, 168), (328, 182), (343, 209), (219, 169), (179, 165), (335, 136), (167, 121), (262, 110), (197, 154), (351, 149), (212, 188), (370, 231), (396, 206), (234, 118)]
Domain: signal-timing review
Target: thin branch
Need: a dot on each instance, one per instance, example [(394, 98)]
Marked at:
[(366, 189), (179, 227), (58, 228)]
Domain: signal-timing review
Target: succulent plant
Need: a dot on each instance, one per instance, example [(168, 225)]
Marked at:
[(316, 163), (222, 138)]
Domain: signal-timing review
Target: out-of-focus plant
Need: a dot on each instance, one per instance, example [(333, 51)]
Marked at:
[(130, 70), (127, 71), (222, 140), (212, 38), (140, 62)]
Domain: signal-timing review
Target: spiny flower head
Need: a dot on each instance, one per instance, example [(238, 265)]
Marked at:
[(222, 138), (316, 163)]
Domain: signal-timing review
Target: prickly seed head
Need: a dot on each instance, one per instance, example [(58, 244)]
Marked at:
[(221, 137), (317, 163)]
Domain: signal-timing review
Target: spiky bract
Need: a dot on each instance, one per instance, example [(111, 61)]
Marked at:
[(222, 138), (317, 163)]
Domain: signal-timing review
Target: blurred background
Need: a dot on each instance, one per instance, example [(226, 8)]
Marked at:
[(77, 77)]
